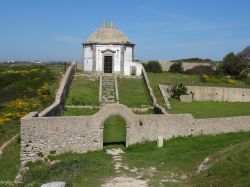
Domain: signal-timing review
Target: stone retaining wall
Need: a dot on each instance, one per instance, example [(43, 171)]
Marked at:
[(151, 93), (186, 65), (205, 93), (57, 107), (85, 133)]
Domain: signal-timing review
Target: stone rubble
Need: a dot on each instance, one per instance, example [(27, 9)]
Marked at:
[(108, 89), (123, 181)]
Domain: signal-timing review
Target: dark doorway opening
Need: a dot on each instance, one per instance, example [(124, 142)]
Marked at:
[(108, 64)]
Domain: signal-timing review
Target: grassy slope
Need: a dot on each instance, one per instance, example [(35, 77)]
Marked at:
[(114, 130), (8, 130), (78, 112), (191, 80), (179, 156), (183, 156), (83, 91), (23, 79), (10, 161), (230, 168), (209, 109), (199, 109), (174, 78), (133, 92), (90, 169), (17, 87)]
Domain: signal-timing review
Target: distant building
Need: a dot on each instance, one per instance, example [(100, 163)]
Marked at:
[(108, 50)]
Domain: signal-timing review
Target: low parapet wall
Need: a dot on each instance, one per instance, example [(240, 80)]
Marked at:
[(203, 93), (157, 107), (186, 65), (85, 133), (57, 106)]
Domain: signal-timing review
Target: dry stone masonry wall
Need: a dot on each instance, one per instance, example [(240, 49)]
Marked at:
[(204, 93), (41, 134), (85, 133)]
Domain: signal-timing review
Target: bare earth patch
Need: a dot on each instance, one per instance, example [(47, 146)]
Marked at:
[(123, 180)]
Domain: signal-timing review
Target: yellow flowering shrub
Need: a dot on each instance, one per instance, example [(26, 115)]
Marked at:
[(34, 70), (43, 92), (20, 108), (18, 104), (204, 77), (3, 120), (231, 81)]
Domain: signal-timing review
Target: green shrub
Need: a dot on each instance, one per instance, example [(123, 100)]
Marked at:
[(176, 67), (232, 65), (178, 90), (241, 76), (247, 81), (153, 66)]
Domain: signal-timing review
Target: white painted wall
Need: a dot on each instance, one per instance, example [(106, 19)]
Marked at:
[(128, 62), (128, 59), (87, 58), (116, 60)]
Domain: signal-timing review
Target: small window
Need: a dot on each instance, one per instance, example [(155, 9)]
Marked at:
[(133, 70)]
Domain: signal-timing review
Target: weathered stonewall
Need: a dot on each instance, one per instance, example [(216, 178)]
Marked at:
[(186, 98), (54, 184)]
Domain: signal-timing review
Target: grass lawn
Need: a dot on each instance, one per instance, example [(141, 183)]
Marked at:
[(133, 92), (183, 155), (7, 131), (83, 91), (10, 161), (168, 78), (232, 168), (209, 109), (78, 112), (90, 169), (114, 130)]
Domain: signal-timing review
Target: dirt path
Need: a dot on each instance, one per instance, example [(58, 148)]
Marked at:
[(7, 143), (123, 180)]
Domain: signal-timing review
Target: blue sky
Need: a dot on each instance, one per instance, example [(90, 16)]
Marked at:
[(161, 29)]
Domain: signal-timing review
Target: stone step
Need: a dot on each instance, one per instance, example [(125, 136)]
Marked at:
[(108, 89)]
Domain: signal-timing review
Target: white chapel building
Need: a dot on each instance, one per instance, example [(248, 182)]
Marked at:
[(108, 50)]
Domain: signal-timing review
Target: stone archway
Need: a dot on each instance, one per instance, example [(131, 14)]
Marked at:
[(114, 130), (110, 110)]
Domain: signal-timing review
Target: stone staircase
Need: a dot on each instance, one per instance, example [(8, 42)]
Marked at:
[(108, 94)]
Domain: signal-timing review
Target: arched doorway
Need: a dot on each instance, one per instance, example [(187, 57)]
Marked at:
[(114, 131)]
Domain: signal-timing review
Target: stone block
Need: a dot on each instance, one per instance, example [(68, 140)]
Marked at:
[(54, 184), (160, 141), (186, 98)]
